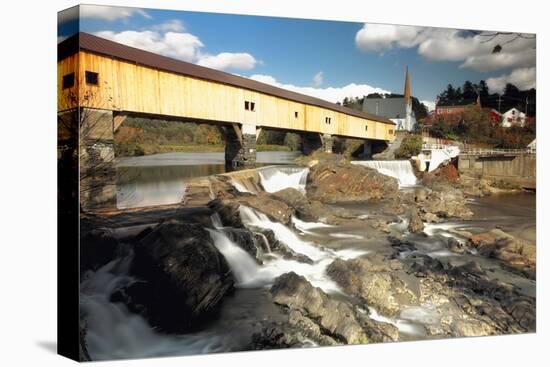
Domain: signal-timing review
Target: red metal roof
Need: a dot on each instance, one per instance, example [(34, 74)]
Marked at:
[(87, 42)]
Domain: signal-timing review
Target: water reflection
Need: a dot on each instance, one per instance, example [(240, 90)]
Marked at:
[(161, 179)]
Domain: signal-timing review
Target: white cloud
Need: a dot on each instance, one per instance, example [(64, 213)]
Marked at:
[(182, 46), (523, 78), (429, 104), (227, 60), (475, 51), (174, 25), (331, 94), (378, 37), (318, 79), (110, 13)]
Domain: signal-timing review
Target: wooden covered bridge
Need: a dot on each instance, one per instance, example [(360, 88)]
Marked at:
[(118, 80)]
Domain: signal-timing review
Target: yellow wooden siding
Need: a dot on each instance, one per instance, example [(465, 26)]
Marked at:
[(65, 96), (129, 87)]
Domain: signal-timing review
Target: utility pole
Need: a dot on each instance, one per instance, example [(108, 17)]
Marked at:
[(526, 103), (499, 103)]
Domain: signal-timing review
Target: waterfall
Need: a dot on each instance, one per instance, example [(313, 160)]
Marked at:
[(249, 274), (245, 270), (114, 332), (401, 170), (284, 234), (275, 179)]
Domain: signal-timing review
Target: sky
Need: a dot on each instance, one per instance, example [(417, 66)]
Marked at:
[(326, 59)]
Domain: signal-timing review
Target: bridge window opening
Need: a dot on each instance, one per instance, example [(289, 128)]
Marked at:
[(68, 81), (366, 127), (249, 106), (92, 78), (328, 120), (296, 114), (390, 132)]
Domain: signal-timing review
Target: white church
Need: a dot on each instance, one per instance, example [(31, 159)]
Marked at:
[(398, 110)]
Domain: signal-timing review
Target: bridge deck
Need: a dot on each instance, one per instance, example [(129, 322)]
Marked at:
[(136, 81)]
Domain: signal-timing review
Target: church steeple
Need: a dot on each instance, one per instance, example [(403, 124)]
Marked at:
[(407, 91)]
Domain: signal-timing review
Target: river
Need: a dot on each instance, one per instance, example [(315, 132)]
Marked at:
[(114, 332), (161, 179)]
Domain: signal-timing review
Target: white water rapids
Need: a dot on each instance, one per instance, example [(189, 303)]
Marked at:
[(250, 274), (113, 332), (401, 170)]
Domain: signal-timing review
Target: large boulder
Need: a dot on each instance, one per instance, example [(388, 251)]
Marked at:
[(185, 276), (415, 222), (228, 208), (444, 201), (97, 248), (376, 283), (307, 209), (332, 181), (517, 254), (308, 305)]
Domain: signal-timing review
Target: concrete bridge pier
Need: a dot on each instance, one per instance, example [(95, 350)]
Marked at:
[(97, 158), (327, 143), (315, 141), (240, 146), (367, 149)]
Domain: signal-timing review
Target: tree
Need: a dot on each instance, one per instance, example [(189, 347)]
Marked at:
[(469, 90), (483, 89), (449, 93), (410, 146), (511, 91)]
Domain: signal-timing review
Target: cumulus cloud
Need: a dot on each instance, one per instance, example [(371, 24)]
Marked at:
[(110, 13), (429, 104), (378, 37), (475, 51), (227, 60), (331, 94), (180, 45), (174, 25), (318, 79), (523, 78), (183, 46)]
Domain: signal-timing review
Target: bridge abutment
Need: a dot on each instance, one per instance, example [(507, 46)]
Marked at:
[(97, 159), (240, 146), (327, 143)]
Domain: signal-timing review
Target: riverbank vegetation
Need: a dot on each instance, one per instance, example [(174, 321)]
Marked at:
[(141, 136), (410, 146)]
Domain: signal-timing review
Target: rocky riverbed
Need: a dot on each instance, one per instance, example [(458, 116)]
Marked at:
[(328, 254)]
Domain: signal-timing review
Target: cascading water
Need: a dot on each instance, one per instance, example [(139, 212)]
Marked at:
[(284, 234), (275, 179), (112, 331), (250, 274), (401, 170)]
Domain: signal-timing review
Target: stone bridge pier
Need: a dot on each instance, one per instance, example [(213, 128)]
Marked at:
[(240, 146), (97, 158), (315, 141)]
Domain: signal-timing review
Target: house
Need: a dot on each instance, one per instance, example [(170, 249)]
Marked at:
[(532, 145), (451, 107), (494, 115), (399, 110), (513, 117)]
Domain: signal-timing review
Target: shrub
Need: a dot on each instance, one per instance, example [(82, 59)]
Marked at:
[(410, 146)]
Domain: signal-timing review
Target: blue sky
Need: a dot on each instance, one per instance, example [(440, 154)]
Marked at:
[(327, 59)]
